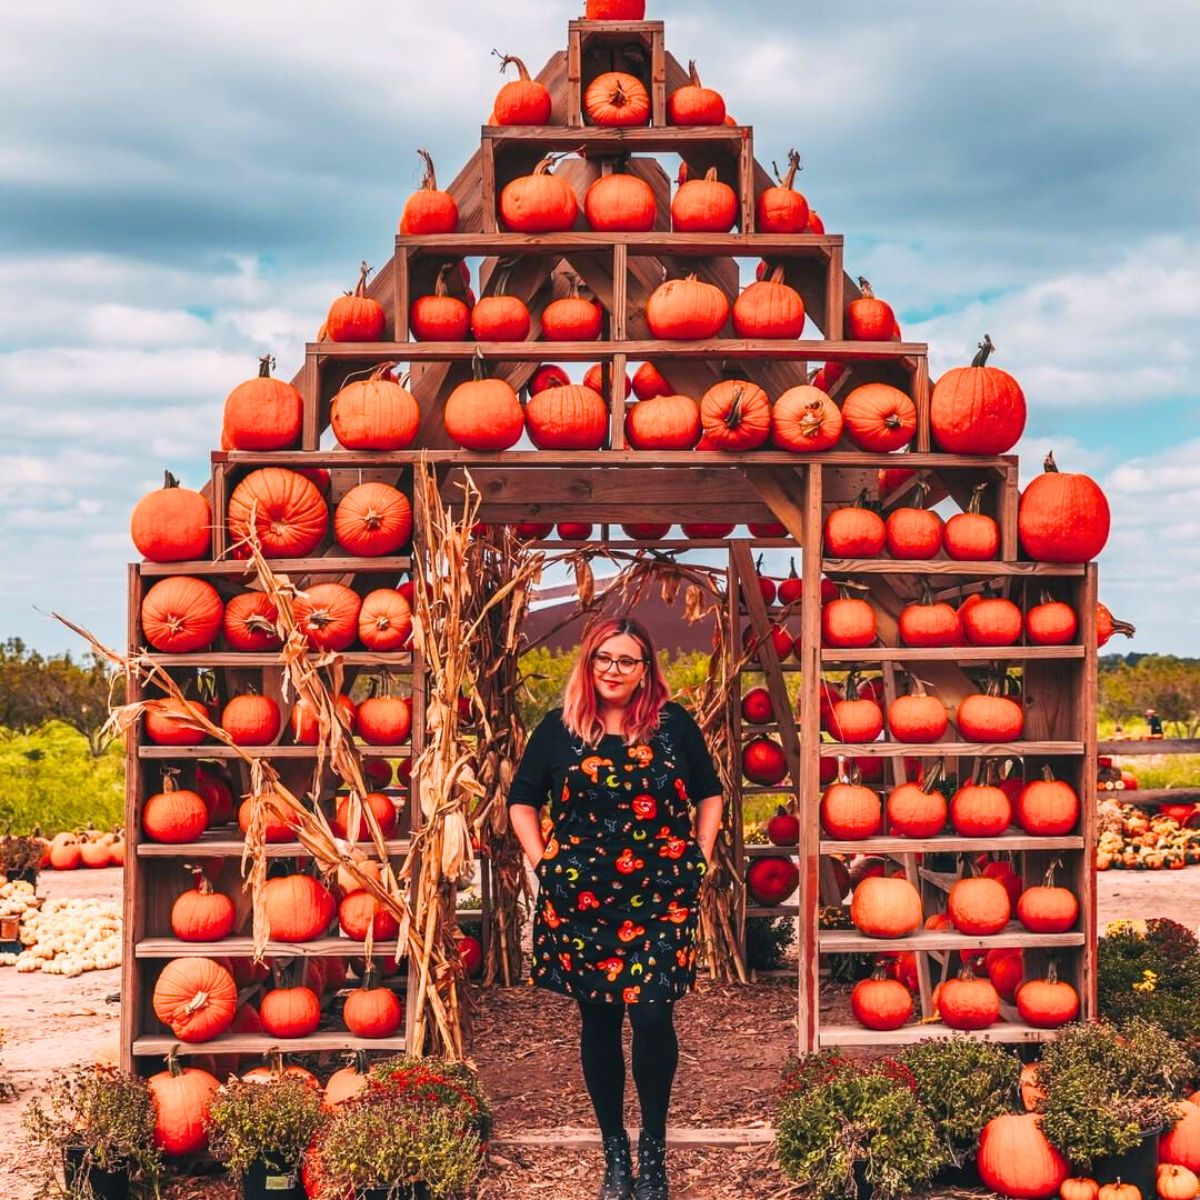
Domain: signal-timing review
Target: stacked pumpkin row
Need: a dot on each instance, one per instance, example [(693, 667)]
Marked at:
[(178, 816), (182, 614)]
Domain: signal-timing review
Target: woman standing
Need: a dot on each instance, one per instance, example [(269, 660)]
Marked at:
[(615, 926)]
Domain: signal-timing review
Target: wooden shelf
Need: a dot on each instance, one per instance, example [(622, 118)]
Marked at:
[(944, 843), (951, 749), (220, 750), (292, 566), (945, 566), (242, 947), (850, 941), (1143, 746), (262, 1043), (745, 245), (220, 843), (238, 658), (1141, 797), (338, 459), (774, 910), (781, 349), (907, 1035), (952, 654), (621, 140)]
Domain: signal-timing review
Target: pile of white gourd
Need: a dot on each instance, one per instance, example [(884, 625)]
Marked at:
[(62, 937)]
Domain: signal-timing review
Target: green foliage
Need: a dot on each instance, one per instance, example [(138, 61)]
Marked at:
[(49, 779), (273, 1122), (840, 1119), (1152, 973), (962, 1084), (384, 1138), (1161, 681), (767, 941), (109, 1113), (1106, 1086)]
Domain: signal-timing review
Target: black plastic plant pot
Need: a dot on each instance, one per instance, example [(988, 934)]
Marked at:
[(22, 875), (1138, 1166), (85, 1180), (265, 1181)]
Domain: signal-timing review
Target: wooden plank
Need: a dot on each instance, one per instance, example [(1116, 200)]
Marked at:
[(508, 459), (217, 496), (946, 566), (574, 77), (732, 616), (808, 981), (833, 325), (243, 947), (591, 139), (902, 654), (908, 1035), (776, 488), (281, 566), (132, 904), (921, 395), (442, 247), (487, 186), (616, 403), (658, 78), (591, 485), (963, 749), (223, 751), (310, 391), (746, 197), (782, 349), (394, 662), (400, 289), (219, 843), (261, 1043), (941, 844), (850, 941), (1140, 747), (1151, 797), (1084, 875), (1006, 516)]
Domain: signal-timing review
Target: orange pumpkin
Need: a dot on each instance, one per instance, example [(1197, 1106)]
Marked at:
[(384, 620), (620, 203), (538, 203), (251, 720), (428, 210), (372, 520), (979, 907), (782, 209), (181, 1098), (522, 101), (567, 418), (360, 912), (172, 524), (1016, 1160), (195, 998), (385, 720), (355, 317), (616, 99), (570, 318), (869, 319), (886, 907), (881, 1003), (972, 536), (375, 414), (181, 614), (694, 104), (327, 615), (847, 623), (484, 414), (735, 415), (382, 808), (704, 205), (1062, 517), (439, 316), (804, 419), (850, 812), (1047, 1003), (289, 513), (769, 309), (663, 422), (977, 409), (249, 623), (879, 418), (298, 908), (686, 310), (968, 1003), (263, 413)]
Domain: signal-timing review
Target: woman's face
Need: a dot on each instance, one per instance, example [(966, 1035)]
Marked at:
[(609, 658)]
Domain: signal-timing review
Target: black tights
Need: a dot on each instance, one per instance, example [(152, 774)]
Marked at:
[(655, 1057)]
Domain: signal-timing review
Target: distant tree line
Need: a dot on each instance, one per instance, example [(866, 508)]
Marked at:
[(36, 689), (1130, 684)]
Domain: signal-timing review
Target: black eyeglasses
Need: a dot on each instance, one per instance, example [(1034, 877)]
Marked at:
[(605, 662)]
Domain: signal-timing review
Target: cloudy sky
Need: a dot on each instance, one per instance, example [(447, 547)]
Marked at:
[(184, 187)]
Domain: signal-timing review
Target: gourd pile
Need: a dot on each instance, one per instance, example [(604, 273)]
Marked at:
[(1132, 839), (65, 936)]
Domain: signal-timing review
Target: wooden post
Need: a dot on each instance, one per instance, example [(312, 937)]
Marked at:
[(310, 390), (835, 299), (133, 906), (1085, 877), (400, 300), (487, 185)]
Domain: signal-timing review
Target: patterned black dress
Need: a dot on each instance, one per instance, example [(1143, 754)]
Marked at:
[(616, 917)]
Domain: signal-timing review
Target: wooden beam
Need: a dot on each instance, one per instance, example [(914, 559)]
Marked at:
[(775, 486)]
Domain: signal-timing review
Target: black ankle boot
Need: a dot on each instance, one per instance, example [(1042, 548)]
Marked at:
[(652, 1168), (618, 1168)]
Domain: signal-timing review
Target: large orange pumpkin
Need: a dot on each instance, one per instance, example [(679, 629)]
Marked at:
[(694, 104), (1016, 1160), (881, 1003), (195, 998), (1047, 807), (375, 414), (174, 816), (181, 1098), (570, 318), (263, 413), (355, 317), (620, 203), (769, 308), (704, 205), (381, 806), (879, 418), (1181, 1143), (521, 101), (984, 718), (616, 99), (172, 524), (804, 419), (782, 209), (977, 409), (249, 623), (968, 1003), (538, 203), (886, 907), (850, 812), (1062, 517), (373, 1012), (735, 415), (484, 414), (917, 810), (869, 319), (979, 907), (298, 908), (385, 720), (372, 520), (439, 316), (686, 310), (181, 614), (663, 422), (289, 513), (361, 913), (327, 615), (201, 914), (251, 720), (567, 418), (429, 210), (384, 620), (164, 728), (1047, 1003)]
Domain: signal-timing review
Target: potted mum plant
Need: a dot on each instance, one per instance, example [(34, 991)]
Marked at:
[(452, 1085), (385, 1144), (1109, 1092), (260, 1131), (98, 1123)]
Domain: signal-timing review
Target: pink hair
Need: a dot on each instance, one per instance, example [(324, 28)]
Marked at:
[(581, 705)]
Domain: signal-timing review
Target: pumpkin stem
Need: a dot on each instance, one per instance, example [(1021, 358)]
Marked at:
[(933, 777), (1048, 464), (792, 573), (169, 480), (173, 1064), (682, 177), (265, 363), (1047, 773), (363, 272), (917, 687), (1056, 865), (693, 74), (477, 366), (985, 348), (429, 179), (439, 285), (169, 776), (506, 59), (788, 178), (865, 288), (976, 502), (196, 1003)]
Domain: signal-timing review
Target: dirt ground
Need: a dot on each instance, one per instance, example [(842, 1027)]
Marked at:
[(531, 1065)]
